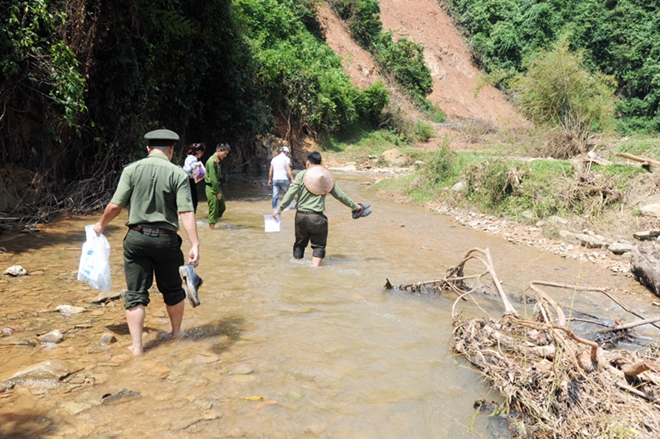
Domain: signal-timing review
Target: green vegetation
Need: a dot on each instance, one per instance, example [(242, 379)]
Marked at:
[(557, 90), (93, 77), (617, 37), (403, 59), (502, 186)]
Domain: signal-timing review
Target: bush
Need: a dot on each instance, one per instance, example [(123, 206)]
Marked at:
[(441, 167), (558, 90), (405, 60)]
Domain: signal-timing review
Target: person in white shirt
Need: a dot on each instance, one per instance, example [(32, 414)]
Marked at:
[(280, 175)]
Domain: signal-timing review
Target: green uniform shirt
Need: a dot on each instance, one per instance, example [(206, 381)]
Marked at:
[(213, 174), (309, 202), (155, 191)]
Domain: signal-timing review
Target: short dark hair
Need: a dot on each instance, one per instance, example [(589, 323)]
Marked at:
[(223, 147), (196, 147), (314, 158)]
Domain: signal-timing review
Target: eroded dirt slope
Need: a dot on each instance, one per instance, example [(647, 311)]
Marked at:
[(356, 61), (455, 76)]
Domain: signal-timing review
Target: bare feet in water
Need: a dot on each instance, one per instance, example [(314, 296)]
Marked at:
[(136, 352), (178, 336)]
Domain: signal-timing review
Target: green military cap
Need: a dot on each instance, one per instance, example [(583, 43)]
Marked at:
[(162, 135)]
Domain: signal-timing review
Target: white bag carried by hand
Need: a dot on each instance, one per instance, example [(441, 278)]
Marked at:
[(94, 268)]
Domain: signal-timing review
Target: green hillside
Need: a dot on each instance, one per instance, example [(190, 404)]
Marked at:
[(617, 37)]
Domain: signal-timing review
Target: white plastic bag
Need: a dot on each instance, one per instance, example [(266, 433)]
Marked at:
[(94, 268)]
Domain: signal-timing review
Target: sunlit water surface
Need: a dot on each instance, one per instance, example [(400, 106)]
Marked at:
[(278, 348)]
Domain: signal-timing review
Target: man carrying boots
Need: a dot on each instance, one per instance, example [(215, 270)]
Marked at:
[(157, 194), (311, 186)]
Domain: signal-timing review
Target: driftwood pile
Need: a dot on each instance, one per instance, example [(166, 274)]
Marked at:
[(555, 382)]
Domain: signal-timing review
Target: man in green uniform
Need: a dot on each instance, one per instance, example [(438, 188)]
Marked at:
[(157, 194), (214, 194), (311, 186)]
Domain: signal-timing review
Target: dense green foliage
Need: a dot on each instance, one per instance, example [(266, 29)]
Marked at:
[(557, 90), (619, 38), (83, 80), (403, 59), (301, 76)]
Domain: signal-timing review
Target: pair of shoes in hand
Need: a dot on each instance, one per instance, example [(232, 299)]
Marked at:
[(191, 283), (365, 211)]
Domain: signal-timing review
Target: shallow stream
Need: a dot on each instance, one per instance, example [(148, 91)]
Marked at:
[(278, 348)]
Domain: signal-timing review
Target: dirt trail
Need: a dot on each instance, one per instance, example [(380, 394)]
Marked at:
[(455, 77)]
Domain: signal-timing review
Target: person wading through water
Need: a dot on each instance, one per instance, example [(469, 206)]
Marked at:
[(311, 187), (157, 195), (279, 174), (193, 166), (214, 195)]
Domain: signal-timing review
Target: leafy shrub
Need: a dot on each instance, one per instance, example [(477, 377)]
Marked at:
[(371, 102), (405, 60), (422, 131), (557, 90), (440, 167)]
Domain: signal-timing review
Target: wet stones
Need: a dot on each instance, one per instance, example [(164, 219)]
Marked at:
[(70, 309), (51, 370), (107, 339), (54, 336), (123, 395), (15, 271)]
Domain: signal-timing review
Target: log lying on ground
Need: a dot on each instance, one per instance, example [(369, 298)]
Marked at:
[(558, 383), (643, 160), (645, 264)]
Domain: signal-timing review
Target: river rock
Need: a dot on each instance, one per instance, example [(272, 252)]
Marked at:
[(619, 248), (51, 370), (590, 241), (123, 395), (565, 234), (394, 157), (459, 187), (527, 214), (651, 210), (70, 309), (107, 339), (15, 270), (645, 263), (106, 297), (54, 336), (646, 235)]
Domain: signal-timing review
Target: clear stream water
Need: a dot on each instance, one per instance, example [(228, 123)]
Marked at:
[(278, 348)]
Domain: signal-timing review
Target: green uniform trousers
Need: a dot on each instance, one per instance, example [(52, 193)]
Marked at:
[(148, 254), (216, 207)]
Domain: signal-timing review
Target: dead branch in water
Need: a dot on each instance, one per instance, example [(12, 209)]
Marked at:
[(560, 383)]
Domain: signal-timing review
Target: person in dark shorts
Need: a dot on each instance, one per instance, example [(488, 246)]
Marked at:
[(157, 195), (311, 186)]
